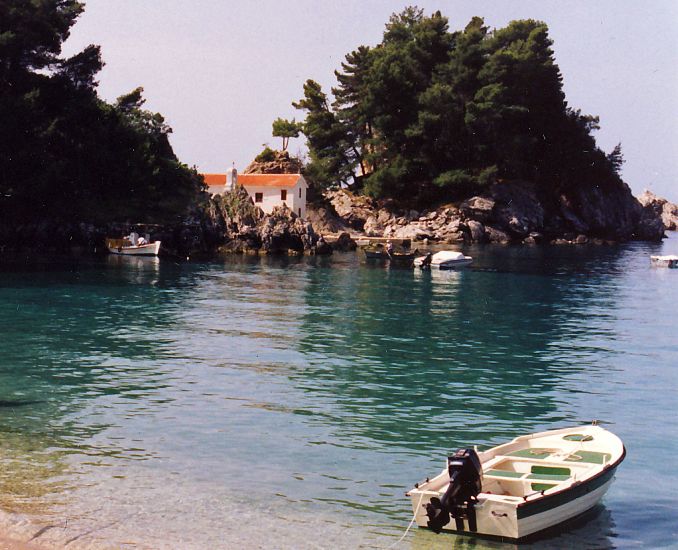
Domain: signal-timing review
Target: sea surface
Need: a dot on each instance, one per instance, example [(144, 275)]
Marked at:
[(290, 403)]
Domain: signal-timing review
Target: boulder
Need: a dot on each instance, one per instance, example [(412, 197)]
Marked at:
[(344, 243), (372, 227), (495, 235), (477, 208), (412, 232), (476, 230), (353, 209), (322, 247), (324, 219)]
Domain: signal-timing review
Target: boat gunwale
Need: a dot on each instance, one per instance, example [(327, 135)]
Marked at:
[(544, 498)]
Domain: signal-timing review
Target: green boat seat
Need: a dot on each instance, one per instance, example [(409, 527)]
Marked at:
[(578, 437), (590, 457), (532, 453), (504, 473), (551, 470), (548, 477)]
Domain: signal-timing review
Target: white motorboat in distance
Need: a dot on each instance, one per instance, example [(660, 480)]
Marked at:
[(133, 246), (664, 261), (520, 488), (445, 259)]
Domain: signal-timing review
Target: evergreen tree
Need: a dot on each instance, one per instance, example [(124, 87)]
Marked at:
[(64, 153), (326, 138), (353, 107), (285, 129), (434, 114)]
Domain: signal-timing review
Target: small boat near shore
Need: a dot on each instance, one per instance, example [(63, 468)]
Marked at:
[(132, 245), (520, 488), (380, 252), (664, 261), (445, 259)]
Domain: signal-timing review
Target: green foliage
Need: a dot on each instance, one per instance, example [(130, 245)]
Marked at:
[(267, 155), (429, 111), (64, 153), (455, 179), (285, 129), (326, 138), (237, 205), (616, 158)]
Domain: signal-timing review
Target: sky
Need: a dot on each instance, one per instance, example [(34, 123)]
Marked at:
[(221, 71)]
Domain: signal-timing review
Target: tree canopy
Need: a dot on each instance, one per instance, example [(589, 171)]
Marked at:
[(434, 113), (65, 153), (285, 129)]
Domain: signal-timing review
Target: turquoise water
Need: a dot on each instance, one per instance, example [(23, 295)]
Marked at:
[(290, 403)]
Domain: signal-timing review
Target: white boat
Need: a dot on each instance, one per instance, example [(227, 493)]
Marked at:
[(664, 261), (445, 259), (520, 488), (133, 246)]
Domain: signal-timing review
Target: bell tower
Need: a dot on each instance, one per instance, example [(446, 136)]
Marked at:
[(231, 178)]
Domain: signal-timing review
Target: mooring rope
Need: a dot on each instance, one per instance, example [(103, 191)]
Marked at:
[(414, 517)]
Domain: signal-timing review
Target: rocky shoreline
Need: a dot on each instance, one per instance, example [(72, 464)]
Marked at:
[(506, 213)]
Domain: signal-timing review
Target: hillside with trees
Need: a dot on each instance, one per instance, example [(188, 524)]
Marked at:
[(66, 155), (431, 114)]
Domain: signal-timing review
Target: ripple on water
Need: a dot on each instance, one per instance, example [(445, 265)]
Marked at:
[(208, 405)]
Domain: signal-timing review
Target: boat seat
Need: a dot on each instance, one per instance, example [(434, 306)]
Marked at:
[(590, 457), (548, 477), (535, 452), (537, 472), (504, 473)]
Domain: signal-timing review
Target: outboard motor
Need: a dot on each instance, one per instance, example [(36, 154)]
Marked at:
[(460, 498)]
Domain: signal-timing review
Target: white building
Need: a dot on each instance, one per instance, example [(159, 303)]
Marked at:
[(265, 190)]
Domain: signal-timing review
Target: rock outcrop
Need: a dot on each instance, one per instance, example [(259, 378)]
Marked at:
[(511, 212), (244, 228), (667, 211), (279, 162)]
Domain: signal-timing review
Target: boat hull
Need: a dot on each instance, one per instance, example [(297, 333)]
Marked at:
[(453, 264), (664, 261), (504, 522), (445, 259), (502, 515), (395, 257), (150, 249)]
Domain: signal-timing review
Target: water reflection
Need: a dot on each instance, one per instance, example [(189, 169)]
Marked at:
[(440, 355), (323, 387)]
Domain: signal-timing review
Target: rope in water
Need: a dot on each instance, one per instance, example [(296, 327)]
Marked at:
[(414, 517)]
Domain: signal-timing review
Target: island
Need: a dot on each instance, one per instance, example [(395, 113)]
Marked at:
[(432, 135)]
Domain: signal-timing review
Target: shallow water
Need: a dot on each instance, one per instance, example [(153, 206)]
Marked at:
[(282, 403)]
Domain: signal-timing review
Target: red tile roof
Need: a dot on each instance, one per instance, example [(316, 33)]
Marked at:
[(255, 180), (268, 180), (215, 179)]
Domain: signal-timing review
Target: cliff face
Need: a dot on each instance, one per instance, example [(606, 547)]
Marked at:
[(511, 212)]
